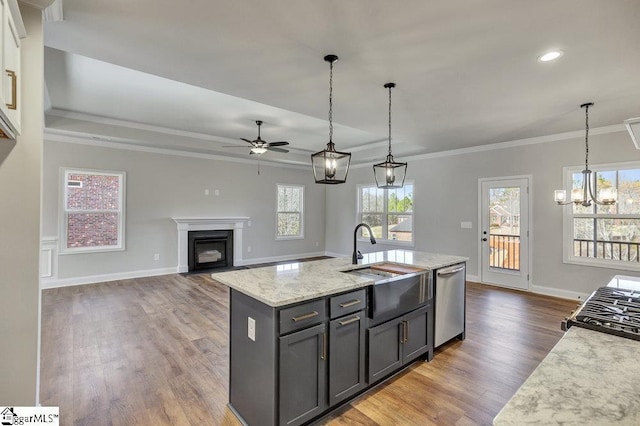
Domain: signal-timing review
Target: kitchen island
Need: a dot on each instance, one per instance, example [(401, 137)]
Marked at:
[(306, 337)]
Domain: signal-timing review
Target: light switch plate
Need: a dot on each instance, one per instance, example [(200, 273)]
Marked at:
[(466, 225), (251, 328)]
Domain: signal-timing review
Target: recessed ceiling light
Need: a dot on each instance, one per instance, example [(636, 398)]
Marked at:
[(550, 56)]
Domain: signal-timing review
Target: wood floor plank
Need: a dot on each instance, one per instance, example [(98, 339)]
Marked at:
[(154, 351)]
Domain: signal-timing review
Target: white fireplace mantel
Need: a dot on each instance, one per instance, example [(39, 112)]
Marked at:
[(186, 224)]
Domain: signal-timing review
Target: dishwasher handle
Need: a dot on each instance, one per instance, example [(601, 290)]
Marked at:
[(450, 271)]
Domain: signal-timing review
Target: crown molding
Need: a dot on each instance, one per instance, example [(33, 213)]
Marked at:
[(80, 138), (135, 145), (56, 112), (633, 126), (54, 12), (510, 144), (40, 4)]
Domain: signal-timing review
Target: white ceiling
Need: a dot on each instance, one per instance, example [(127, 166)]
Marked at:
[(195, 75)]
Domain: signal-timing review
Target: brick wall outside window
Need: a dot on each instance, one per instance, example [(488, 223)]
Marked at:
[(93, 210)]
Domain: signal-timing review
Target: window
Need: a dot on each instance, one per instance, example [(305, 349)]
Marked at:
[(290, 212), (389, 212), (93, 211), (607, 236)]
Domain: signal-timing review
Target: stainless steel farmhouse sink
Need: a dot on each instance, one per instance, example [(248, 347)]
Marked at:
[(373, 273), (395, 291)]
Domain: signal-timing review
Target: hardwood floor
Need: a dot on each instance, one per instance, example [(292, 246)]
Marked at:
[(153, 351)]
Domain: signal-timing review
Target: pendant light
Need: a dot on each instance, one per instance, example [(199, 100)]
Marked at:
[(585, 195), (390, 174), (330, 167)]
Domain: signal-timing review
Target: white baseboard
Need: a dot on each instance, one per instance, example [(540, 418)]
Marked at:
[(473, 278), (259, 260), (558, 292), (92, 279)]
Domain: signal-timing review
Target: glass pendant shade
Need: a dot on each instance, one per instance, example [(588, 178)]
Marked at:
[(330, 166), (585, 195), (390, 174)]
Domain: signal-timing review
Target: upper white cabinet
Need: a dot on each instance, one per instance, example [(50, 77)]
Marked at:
[(10, 89)]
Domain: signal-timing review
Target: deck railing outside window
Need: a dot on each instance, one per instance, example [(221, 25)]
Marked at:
[(610, 250)]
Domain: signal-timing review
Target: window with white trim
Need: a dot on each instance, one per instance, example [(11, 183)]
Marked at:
[(92, 211), (601, 235), (290, 212), (389, 213)]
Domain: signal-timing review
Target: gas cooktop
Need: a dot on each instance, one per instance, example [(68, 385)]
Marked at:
[(609, 310)]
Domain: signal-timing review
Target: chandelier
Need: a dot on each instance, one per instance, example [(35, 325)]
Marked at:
[(330, 167), (585, 196), (389, 173)]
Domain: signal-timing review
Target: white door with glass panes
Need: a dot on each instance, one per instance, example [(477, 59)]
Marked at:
[(504, 231)]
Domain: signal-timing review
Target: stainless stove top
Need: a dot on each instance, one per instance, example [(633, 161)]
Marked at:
[(609, 310)]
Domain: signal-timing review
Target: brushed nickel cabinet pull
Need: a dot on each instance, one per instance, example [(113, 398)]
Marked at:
[(401, 332), (305, 316), (405, 332), (349, 303), (349, 321), (324, 346), (14, 89)]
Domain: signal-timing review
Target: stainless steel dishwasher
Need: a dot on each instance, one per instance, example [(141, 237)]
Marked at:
[(449, 308)]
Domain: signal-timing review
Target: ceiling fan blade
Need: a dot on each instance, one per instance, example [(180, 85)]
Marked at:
[(234, 146), (282, 143), (247, 140), (277, 149)]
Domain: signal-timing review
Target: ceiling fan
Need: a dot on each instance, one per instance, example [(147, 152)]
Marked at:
[(259, 146)]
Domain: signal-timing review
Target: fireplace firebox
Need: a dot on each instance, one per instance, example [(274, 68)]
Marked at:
[(210, 249)]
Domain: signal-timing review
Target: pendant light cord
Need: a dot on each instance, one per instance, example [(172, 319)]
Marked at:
[(331, 102), (389, 120), (586, 137)]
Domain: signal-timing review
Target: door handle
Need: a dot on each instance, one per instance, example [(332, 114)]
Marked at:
[(324, 346), (484, 239)]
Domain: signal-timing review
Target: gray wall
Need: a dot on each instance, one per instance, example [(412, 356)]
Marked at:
[(20, 164), (160, 187), (447, 193)]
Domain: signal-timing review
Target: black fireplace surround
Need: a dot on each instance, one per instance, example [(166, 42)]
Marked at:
[(210, 249)]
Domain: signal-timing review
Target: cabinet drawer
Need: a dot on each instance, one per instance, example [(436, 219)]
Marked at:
[(347, 303), (302, 316)]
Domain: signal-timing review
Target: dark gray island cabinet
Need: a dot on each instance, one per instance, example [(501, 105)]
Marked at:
[(306, 338), (292, 364)]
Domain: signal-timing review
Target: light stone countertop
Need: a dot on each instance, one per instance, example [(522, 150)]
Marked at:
[(588, 378), (294, 282)]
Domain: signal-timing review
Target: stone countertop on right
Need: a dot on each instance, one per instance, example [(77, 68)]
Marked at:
[(588, 378)]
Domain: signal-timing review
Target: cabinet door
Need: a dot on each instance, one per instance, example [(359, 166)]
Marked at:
[(415, 334), (384, 349), (11, 71), (346, 357), (302, 375)]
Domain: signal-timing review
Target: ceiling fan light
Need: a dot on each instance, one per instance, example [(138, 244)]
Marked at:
[(258, 150)]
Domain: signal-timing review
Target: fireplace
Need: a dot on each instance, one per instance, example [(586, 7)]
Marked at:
[(210, 249), (189, 224)]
